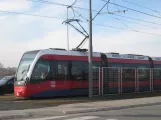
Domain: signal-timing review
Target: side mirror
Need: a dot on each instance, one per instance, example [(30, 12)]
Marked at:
[(15, 79)]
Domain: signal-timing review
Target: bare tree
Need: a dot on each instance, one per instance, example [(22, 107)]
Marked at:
[(7, 71), (1, 65), (1, 69)]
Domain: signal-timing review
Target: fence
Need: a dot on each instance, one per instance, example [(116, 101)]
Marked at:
[(96, 81), (108, 80), (128, 80), (144, 80), (156, 79)]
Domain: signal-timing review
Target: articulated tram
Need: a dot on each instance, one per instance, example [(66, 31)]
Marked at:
[(57, 72), (156, 65)]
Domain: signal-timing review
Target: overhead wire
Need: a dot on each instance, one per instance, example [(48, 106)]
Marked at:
[(34, 15), (118, 19), (60, 4), (116, 6), (48, 2), (71, 7), (135, 23), (101, 9), (68, 19), (55, 3), (109, 26), (136, 19), (66, 5), (86, 20), (130, 29), (126, 25), (74, 2), (142, 6), (77, 20), (52, 17), (132, 9), (80, 15)]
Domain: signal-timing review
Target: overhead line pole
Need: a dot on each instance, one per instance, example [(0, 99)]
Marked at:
[(90, 54), (67, 31)]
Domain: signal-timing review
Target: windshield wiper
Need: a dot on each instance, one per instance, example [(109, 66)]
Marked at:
[(26, 69), (23, 71)]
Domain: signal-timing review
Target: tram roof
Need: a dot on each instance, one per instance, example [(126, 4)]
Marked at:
[(156, 58), (126, 56), (95, 54), (70, 52)]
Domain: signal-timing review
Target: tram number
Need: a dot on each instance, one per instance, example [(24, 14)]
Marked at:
[(52, 84)]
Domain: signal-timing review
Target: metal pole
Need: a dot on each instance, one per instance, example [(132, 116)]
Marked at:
[(90, 52), (67, 32)]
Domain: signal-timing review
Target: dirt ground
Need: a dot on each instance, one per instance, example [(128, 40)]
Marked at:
[(9, 102)]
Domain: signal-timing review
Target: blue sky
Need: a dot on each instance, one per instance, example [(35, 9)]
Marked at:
[(20, 33)]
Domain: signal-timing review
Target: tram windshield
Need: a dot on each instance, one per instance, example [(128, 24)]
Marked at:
[(25, 63)]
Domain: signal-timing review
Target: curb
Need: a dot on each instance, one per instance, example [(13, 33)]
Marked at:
[(109, 108)]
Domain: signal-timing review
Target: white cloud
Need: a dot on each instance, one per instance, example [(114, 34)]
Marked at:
[(29, 25), (15, 5), (128, 43)]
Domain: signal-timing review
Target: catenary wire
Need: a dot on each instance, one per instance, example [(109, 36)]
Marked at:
[(132, 9), (51, 17), (136, 19), (141, 6), (34, 15), (55, 3), (130, 29), (109, 26), (135, 23), (124, 25), (60, 4)]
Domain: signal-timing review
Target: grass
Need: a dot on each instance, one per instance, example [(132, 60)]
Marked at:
[(7, 97), (69, 100), (54, 102)]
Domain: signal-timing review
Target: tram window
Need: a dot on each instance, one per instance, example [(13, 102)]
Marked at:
[(156, 74), (79, 70), (59, 70), (143, 74), (115, 65), (41, 70), (96, 64), (130, 65), (62, 70), (142, 66)]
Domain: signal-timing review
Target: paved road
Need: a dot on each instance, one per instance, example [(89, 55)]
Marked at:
[(17, 105), (138, 113)]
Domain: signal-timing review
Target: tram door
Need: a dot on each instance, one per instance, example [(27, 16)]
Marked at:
[(60, 82), (79, 77)]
